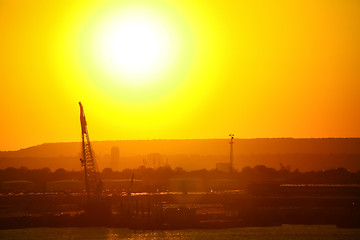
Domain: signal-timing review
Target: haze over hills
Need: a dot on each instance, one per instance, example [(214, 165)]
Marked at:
[(303, 154)]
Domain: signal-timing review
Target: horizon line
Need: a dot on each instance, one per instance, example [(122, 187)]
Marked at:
[(170, 139)]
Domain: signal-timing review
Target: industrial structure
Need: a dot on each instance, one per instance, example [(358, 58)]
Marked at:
[(98, 206), (93, 182)]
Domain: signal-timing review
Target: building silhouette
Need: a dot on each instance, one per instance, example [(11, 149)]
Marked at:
[(115, 158)]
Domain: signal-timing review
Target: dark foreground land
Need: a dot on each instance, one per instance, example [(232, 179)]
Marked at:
[(258, 205)]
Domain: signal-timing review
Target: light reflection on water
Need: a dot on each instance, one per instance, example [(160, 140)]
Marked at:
[(288, 232)]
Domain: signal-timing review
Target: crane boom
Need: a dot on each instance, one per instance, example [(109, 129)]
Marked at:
[(93, 182)]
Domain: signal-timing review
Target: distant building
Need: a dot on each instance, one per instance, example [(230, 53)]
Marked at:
[(123, 185), (154, 160), (17, 186), (115, 158), (65, 186), (186, 185), (223, 184), (223, 167)]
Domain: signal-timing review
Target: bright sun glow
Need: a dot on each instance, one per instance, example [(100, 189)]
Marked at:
[(135, 47)]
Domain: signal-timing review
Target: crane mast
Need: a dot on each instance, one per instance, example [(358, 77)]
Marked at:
[(93, 182)]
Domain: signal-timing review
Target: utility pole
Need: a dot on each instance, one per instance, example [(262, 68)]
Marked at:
[(231, 152)]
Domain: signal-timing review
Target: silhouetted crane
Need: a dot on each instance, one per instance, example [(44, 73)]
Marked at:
[(93, 181)]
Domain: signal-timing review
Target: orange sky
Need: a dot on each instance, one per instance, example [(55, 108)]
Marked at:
[(178, 69)]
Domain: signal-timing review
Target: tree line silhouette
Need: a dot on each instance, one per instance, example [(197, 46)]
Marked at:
[(159, 176)]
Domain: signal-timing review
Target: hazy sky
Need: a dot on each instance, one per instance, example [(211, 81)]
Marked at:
[(178, 69)]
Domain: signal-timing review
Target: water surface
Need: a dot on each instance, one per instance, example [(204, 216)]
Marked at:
[(288, 232)]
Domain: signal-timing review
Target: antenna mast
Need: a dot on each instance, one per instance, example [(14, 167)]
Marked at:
[(231, 152)]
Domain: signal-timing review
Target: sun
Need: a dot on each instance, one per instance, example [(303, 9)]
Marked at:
[(134, 54), (135, 46)]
